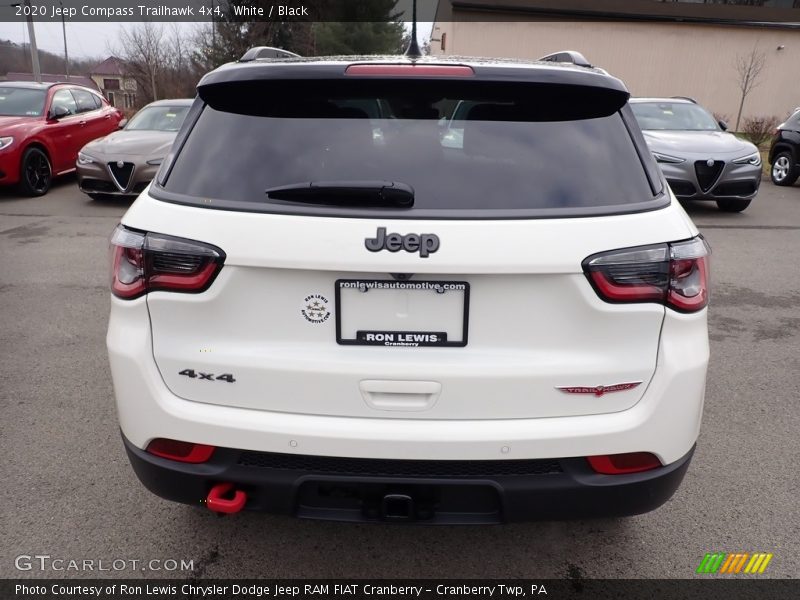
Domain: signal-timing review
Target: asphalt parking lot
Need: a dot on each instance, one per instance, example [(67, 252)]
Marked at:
[(69, 492)]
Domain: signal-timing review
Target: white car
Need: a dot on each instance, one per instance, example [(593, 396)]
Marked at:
[(311, 319)]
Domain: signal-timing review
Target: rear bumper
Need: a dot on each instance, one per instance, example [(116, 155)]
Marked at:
[(430, 492)]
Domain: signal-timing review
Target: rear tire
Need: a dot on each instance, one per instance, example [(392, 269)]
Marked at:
[(36, 174), (784, 170), (733, 206)]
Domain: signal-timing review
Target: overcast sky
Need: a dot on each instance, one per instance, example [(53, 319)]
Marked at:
[(93, 39), (83, 39)]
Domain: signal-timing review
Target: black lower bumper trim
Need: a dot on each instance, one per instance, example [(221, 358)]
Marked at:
[(384, 490)]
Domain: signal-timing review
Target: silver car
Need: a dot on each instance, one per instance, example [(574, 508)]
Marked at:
[(699, 158), (124, 162)]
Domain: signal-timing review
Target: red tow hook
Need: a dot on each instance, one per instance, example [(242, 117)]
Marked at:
[(217, 503)]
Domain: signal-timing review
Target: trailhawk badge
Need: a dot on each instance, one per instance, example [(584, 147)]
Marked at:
[(315, 308), (600, 389)]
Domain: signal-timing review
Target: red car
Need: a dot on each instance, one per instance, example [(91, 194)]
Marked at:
[(42, 127)]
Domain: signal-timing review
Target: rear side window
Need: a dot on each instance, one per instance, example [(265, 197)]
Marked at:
[(467, 151)]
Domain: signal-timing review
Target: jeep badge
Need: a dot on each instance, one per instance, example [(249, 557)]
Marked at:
[(424, 243)]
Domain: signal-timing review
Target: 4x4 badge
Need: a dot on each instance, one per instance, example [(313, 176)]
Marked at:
[(600, 389), (424, 243)]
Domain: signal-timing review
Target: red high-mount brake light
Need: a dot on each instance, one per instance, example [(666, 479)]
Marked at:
[(180, 451), (675, 275), (410, 70), (149, 262), (620, 464)]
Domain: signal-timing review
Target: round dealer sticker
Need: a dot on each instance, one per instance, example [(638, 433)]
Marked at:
[(315, 308)]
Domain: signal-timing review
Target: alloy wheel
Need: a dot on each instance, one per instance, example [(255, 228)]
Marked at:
[(37, 172), (780, 170)]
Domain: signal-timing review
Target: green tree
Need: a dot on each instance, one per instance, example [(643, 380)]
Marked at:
[(356, 27), (333, 38)]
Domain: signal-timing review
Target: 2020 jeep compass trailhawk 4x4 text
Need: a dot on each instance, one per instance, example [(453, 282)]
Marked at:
[(338, 301)]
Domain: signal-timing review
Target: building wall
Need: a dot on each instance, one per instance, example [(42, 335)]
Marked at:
[(653, 59), (122, 97)]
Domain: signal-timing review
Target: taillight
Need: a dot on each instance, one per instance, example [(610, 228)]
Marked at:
[(149, 262), (180, 451), (620, 464), (675, 275)]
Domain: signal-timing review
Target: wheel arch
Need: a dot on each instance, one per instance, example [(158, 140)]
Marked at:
[(39, 145), (780, 147)]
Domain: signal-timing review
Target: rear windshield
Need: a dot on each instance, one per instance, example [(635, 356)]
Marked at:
[(508, 152)]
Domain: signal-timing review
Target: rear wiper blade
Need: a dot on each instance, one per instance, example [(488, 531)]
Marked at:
[(346, 193)]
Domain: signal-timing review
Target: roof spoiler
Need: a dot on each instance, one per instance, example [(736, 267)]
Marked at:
[(257, 52), (568, 56), (689, 98)]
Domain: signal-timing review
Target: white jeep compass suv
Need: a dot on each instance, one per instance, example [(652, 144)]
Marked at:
[(434, 290)]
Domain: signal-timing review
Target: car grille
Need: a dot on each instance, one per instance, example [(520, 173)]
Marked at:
[(398, 468), (96, 185), (122, 175), (737, 188), (707, 176), (681, 188)]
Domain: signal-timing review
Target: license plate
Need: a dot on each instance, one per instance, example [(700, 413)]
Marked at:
[(391, 313)]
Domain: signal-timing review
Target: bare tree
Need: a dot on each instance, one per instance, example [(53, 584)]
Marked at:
[(144, 49), (748, 71), (180, 78), (160, 58)]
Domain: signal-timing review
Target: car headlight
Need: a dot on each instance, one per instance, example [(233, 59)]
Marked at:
[(5, 142), (155, 161), (666, 158), (84, 159), (751, 159)]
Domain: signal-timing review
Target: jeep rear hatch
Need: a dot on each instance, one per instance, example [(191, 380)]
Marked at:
[(487, 309)]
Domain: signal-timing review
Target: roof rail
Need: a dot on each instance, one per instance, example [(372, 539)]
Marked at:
[(568, 56), (266, 52), (689, 98)]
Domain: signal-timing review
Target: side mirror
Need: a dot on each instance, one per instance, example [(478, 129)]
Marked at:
[(722, 125), (58, 111), (122, 123)]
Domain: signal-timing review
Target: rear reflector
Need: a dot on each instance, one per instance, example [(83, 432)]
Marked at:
[(619, 464), (180, 451), (675, 275), (410, 70), (149, 262)]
